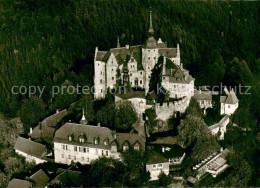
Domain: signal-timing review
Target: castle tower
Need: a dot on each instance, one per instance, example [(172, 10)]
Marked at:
[(149, 54)]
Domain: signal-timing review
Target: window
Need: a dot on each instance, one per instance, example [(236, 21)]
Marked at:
[(136, 148), (106, 153), (98, 64), (87, 159), (75, 158), (69, 156), (149, 58), (66, 147), (101, 91), (130, 74), (71, 137), (102, 152), (113, 148), (63, 147), (87, 149), (125, 148), (164, 78), (82, 158), (160, 166), (101, 81), (112, 70), (101, 73), (62, 155), (96, 151), (113, 78), (149, 68), (96, 141), (154, 166), (154, 58), (228, 106), (148, 50), (141, 82), (84, 150), (106, 142), (75, 148), (141, 73)]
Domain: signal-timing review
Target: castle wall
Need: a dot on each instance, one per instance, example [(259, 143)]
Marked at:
[(165, 111)]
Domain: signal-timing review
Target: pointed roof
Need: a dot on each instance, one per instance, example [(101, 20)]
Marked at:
[(40, 178), (232, 98)]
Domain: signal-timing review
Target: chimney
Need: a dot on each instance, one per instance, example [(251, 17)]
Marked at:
[(57, 111), (164, 65), (127, 46), (181, 66), (31, 130), (114, 136)]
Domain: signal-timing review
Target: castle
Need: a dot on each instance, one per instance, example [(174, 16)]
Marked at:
[(132, 66)]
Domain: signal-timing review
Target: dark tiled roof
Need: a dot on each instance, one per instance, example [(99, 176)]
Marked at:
[(154, 157), (202, 95), (161, 45), (168, 52), (122, 53), (46, 128), (100, 55), (40, 178), (150, 43), (90, 131), (15, 183), (131, 138), (30, 147), (232, 98)]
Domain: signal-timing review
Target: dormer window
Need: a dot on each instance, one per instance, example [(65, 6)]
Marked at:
[(137, 146), (106, 142), (126, 146), (71, 137), (96, 140), (82, 138)]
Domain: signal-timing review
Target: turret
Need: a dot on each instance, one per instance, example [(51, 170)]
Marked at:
[(83, 119), (178, 50), (118, 43)]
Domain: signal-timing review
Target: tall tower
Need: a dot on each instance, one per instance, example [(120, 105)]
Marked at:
[(149, 54)]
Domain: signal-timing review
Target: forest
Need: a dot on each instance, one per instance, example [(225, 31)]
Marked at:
[(46, 43)]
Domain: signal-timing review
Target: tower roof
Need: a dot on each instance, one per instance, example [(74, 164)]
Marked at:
[(150, 42)]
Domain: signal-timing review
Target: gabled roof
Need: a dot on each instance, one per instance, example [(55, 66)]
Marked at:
[(15, 183), (40, 178), (202, 95), (222, 99), (168, 52), (100, 55), (46, 128), (131, 138), (90, 131), (121, 55), (30, 147)]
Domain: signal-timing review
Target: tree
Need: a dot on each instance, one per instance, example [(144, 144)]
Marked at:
[(195, 134), (125, 117), (163, 180), (107, 172), (194, 108), (241, 174), (107, 115), (32, 110), (135, 167)]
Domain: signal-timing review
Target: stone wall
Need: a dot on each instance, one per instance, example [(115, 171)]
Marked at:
[(166, 110)]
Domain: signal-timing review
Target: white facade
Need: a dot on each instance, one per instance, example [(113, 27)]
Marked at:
[(228, 109), (156, 169), (30, 158), (66, 153)]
